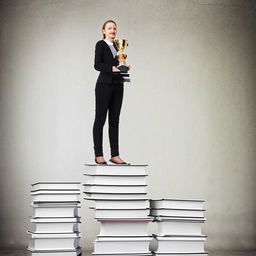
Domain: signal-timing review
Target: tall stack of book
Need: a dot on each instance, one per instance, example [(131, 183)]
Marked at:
[(179, 227), (121, 206), (55, 223)]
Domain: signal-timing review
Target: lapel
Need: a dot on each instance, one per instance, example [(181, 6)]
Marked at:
[(115, 47)]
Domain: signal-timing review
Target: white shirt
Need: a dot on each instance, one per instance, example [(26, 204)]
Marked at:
[(112, 48)]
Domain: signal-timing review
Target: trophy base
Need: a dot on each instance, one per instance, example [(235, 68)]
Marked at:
[(123, 69), (126, 80), (124, 77)]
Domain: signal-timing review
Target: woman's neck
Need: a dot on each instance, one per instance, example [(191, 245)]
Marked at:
[(109, 39)]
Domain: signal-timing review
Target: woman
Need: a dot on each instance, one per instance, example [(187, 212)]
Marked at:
[(108, 94)]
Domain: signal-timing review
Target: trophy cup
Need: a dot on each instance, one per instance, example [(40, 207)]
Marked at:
[(121, 44)]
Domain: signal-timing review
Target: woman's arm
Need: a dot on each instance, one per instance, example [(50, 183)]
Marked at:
[(98, 60)]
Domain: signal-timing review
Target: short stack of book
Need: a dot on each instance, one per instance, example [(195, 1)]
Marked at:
[(179, 227), (121, 206), (56, 221)]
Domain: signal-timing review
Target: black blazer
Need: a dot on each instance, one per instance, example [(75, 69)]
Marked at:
[(103, 62)]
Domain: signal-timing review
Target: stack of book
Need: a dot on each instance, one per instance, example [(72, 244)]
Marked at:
[(121, 206), (55, 223), (179, 227)]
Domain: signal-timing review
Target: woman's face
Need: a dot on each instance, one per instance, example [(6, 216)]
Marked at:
[(110, 31)]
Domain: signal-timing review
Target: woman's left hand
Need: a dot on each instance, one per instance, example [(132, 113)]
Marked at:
[(129, 67)]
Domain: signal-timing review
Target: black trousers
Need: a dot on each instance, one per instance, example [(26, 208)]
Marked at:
[(108, 98)]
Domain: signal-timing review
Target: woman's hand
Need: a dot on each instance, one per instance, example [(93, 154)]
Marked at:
[(115, 69), (129, 67)]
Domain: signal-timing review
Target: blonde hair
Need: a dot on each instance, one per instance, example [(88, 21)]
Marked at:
[(104, 25)]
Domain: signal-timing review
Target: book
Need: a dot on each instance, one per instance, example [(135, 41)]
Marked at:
[(92, 188), (179, 254), (177, 203), (56, 204), (42, 241), (185, 244), (121, 213), (115, 179), (122, 244), (53, 235), (56, 190), (55, 220), (115, 195), (123, 226), (148, 219), (74, 252), (56, 211), (44, 226), (179, 226), (56, 185), (113, 169), (197, 213), (124, 236), (111, 203), (48, 196), (122, 254)]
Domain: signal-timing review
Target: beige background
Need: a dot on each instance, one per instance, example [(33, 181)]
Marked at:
[(189, 111)]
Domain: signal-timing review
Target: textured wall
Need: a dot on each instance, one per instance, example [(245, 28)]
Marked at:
[(189, 111)]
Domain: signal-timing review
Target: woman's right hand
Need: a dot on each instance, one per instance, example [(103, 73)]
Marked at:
[(115, 69)]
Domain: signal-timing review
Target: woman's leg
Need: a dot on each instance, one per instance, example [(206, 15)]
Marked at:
[(102, 99), (113, 118)]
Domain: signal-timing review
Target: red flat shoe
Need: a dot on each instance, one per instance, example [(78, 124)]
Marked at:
[(100, 162), (112, 161)]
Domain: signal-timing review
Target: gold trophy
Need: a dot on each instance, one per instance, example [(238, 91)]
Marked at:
[(121, 44)]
